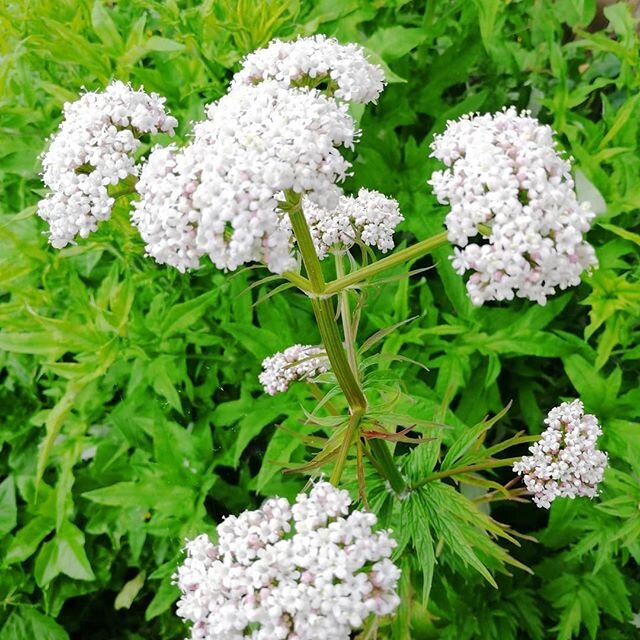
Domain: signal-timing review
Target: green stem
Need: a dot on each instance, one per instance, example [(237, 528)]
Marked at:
[(305, 244), (387, 465), (417, 250), (323, 308), (349, 435), (469, 468), (299, 281), (345, 315), (325, 317)]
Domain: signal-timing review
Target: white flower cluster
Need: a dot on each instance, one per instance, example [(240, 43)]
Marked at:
[(565, 461), (310, 571), (370, 218), (219, 195), (310, 61), (505, 173), (299, 362), (93, 149)]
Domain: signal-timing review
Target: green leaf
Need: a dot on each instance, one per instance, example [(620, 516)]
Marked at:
[(598, 393), (27, 540), (166, 594), (417, 518), (622, 20), (27, 623), (39, 343), (487, 15), (8, 509), (623, 233), (394, 42), (493, 370), (160, 378), (623, 115), (281, 446), (157, 43), (155, 493), (182, 316), (105, 28), (64, 554), (576, 13)]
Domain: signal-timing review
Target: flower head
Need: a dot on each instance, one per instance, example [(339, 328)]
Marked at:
[(219, 196), (92, 150), (370, 218), (299, 362), (565, 461), (308, 571), (311, 62), (507, 182)]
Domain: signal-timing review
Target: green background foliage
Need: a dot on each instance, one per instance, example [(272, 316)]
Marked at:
[(131, 412)]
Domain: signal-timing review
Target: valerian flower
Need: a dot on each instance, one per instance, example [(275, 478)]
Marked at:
[(219, 196), (92, 150), (514, 213), (314, 61), (370, 218), (564, 462), (298, 362), (308, 571)]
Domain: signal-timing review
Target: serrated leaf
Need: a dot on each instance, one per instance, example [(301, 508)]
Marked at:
[(417, 524)]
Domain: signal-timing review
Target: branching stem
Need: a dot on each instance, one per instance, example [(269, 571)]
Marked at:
[(469, 468), (417, 250)]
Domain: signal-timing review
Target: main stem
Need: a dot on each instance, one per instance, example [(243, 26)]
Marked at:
[(324, 310), (384, 459)]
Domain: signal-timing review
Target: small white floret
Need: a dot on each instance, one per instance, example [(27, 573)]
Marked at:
[(298, 362)]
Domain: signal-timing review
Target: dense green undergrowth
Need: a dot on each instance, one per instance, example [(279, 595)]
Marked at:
[(132, 416)]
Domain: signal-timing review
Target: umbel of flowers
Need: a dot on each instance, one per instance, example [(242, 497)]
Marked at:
[(93, 150), (514, 210), (565, 462), (307, 571), (299, 362)]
